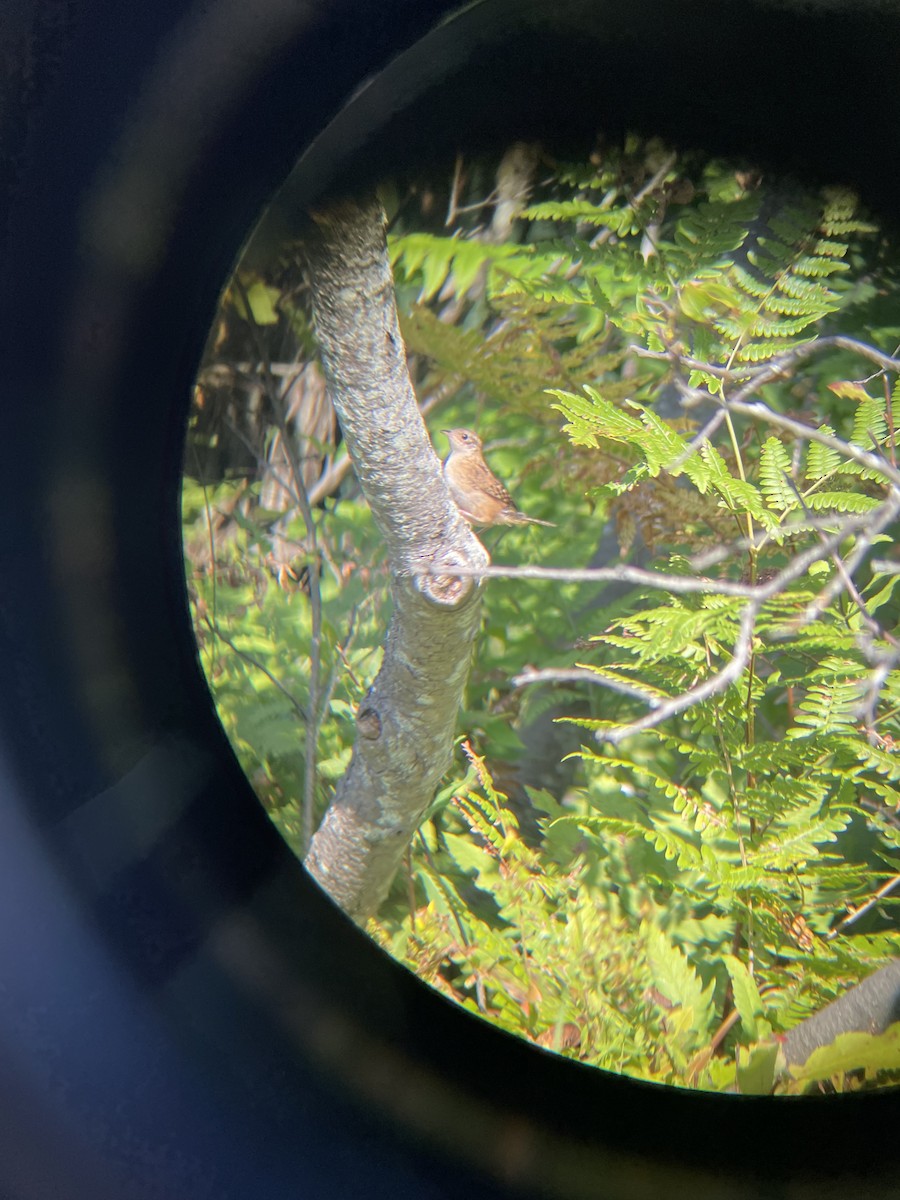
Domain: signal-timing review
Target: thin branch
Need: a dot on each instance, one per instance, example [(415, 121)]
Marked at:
[(856, 913), (679, 584), (761, 412), (878, 520), (740, 655), (756, 596), (729, 674), (254, 662), (885, 567), (622, 574), (211, 541), (886, 362), (532, 675), (253, 370), (692, 364), (881, 663), (328, 484), (777, 368), (865, 458), (455, 189), (843, 572), (652, 183), (341, 652), (780, 364), (718, 554)]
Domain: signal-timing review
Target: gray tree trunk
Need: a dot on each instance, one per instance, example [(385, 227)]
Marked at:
[(405, 726), (869, 1007)]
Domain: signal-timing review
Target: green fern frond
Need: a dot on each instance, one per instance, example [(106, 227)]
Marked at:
[(798, 846), (829, 708), (762, 351), (870, 423), (775, 475), (708, 234), (677, 979), (845, 502), (821, 461), (882, 762)]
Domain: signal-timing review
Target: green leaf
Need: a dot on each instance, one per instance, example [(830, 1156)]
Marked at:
[(678, 981), (775, 475), (756, 1068), (870, 423), (821, 461), (746, 998), (867, 1052), (261, 300), (841, 502), (471, 858)]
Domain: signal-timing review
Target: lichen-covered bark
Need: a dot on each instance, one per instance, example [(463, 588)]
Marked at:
[(405, 725)]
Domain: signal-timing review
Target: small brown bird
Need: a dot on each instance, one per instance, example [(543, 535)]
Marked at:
[(477, 492)]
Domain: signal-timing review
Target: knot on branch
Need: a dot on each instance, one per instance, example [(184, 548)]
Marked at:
[(439, 583), (368, 723)]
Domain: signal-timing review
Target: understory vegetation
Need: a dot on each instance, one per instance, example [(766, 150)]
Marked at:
[(673, 830)]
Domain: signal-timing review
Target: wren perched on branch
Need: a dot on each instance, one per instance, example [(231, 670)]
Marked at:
[(477, 492)]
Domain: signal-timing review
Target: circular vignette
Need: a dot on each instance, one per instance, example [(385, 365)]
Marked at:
[(184, 1007)]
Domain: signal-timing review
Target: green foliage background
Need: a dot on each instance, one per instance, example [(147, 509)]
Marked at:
[(665, 903)]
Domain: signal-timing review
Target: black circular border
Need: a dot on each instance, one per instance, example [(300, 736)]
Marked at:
[(182, 1009)]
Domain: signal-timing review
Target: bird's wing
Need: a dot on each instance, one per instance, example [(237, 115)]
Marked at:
[(491, 486)]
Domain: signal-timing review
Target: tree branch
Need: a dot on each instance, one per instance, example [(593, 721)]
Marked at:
[(866, 525), (405, 726)]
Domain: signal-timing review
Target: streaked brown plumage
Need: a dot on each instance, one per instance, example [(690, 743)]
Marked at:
[(477, 492)]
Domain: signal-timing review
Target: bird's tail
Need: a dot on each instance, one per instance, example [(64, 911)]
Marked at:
[(535, 521)]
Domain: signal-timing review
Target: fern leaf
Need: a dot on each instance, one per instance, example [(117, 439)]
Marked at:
[(594, 417), (774, 476), (746, 997), (870, 424), (821, 461), (829, 708), (677, 979), (841, 502)]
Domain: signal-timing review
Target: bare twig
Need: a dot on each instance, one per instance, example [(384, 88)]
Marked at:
[(621, 574), (856, 913), (761, 412), (881, 662), (865, 458), (253, 370), (756, 595), (680, 584), (878, 520), (651, 185), (532, 675), (718, 554), (740, 656), (778, 366), (693, 364), (756, 377), (254, 662), (844, 574)]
